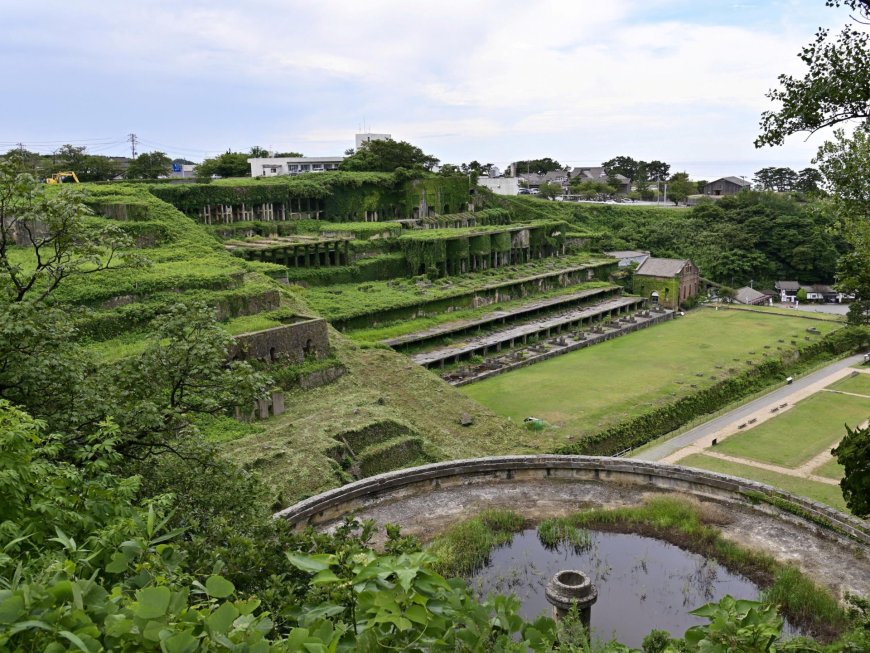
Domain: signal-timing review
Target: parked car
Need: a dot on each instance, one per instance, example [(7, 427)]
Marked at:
[(524, 191)]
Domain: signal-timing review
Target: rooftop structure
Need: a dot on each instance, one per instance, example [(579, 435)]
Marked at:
[(276, 166), (368, 136)]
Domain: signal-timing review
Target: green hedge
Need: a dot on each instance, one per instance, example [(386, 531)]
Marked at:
[(649, 426), (376, 268)]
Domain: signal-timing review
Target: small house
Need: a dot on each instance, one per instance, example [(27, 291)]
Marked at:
[(751, 297), (628, 256), (820, 292), (787, 290), (666, 281), (726, 186)]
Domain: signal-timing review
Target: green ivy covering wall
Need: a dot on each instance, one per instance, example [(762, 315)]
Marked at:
[(345, 195)]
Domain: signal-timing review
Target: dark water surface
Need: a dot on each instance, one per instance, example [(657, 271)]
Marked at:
[(642, 583)]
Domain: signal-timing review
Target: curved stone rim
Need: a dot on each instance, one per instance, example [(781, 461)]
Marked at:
[(565, 596), (307, 510)]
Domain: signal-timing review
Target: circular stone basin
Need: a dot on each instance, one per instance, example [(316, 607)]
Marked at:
[(642, 583), (570, 587)]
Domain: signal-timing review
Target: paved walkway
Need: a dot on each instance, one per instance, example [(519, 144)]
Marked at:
[(701, 437)]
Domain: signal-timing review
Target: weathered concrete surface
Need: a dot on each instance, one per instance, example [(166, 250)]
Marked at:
[(425, 500), (442, 330), (293, 343)]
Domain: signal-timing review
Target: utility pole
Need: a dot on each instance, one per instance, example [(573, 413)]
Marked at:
[(132, 138)]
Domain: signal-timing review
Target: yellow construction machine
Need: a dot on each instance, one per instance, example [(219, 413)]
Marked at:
[(61, 177)]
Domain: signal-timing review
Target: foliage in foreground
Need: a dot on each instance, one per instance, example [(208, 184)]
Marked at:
[(88, 566), (853, 453)]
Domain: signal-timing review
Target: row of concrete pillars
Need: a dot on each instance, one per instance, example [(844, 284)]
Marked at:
[(484, 350)]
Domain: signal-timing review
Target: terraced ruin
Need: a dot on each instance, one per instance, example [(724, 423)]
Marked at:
[(356, 292)]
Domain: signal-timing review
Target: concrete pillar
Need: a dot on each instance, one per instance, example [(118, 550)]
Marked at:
[(277, 403)]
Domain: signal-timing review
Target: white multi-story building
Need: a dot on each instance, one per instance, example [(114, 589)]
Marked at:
[(500, 185), (365, 138), (275, 166)]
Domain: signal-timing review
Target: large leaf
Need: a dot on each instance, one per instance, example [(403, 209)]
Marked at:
[(222, 619), (311, 563), (153, 602), (183, 642), (219, 587), (11, 605), (75, 639)]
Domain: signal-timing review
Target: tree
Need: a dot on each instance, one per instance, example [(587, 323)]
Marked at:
[(680, 187), (53, 227), (149, 165), (844, 162), (835, 89), (258, 152), (68, 157), (853, 453), (809, 181), (538, 166), (658, 170), (591, 189), (387, 156), (549, 190), (228, 164), (184, 370), (98, 168), (290, 155), (622, 165), (778, 179)]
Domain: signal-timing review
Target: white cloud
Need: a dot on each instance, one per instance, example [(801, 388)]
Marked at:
[(458, 75)]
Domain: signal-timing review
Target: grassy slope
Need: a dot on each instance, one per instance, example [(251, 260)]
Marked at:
[(291, 452), (829, 494), (812, 426), (588, 390), (342, 301)]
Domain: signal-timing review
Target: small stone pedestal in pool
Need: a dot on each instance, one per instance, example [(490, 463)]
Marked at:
[(570, 587)]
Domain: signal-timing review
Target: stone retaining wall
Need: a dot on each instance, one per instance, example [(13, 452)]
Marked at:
[(394, 486), (292, 343)]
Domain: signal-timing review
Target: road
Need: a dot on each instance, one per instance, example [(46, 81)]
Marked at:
[(782, 394)]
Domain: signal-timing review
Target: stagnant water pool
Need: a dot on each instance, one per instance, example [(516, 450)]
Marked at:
[(643, 583)]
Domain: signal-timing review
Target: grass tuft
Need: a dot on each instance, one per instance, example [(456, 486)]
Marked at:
[(466, 546)]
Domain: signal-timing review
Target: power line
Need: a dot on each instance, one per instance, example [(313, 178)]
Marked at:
[(132, 138)]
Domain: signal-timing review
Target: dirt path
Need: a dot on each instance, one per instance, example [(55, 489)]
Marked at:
[(804, 471), (760, 414), (751, 410)]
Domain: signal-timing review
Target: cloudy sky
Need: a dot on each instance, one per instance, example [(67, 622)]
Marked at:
[(577, 80)]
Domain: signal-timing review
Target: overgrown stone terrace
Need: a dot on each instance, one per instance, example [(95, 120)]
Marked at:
[(442, 271)]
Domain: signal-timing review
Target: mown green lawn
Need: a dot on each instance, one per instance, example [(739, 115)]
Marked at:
[(791, 439), (822, 492), (859, 384), (588, 390), (831, 469)]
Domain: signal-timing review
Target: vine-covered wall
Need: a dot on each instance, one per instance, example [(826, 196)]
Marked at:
[(668, 289), (343, 196)]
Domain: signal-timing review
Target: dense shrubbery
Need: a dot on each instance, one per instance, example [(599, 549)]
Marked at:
[(760, 236)]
